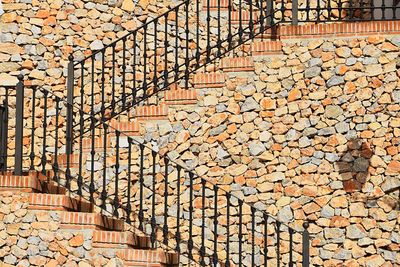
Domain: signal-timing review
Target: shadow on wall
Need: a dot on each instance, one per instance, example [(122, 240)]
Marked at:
[(354, 163)]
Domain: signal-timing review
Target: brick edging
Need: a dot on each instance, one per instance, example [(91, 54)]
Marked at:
[(339, 29)]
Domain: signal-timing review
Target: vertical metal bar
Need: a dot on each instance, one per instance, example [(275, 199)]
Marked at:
[(70, 100), (228, 204), (197, 33), (251, 22), (253, 228), (165, 226), (270, 13), (128, 205), (240, 234), (278, 243), (265, 239), (81, 126), (229, 24), (308, 10), (166, 51), (55, 163), (44, 159), (318, 10), (178, 209), (141, 181), (4, 134), (306, 245), (290, 247), (329, 10), (383, 6), (2, 139), (176, 67), (261, 8), (113, 80), (215, 255), (203, 223), (117, 155), (19, 125), (208, 48), (219, 27), (153, 203), (144, 61), (187, 47), (190, 241), (340, 10), (123, 73), (92, 153), (103, 110), (104, 191), (134, 91), (32, 154), (351, 10), (155, 79), (295, 12), (240, 22)]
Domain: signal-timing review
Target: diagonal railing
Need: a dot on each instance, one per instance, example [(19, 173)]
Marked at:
[(179, 210), (169, 48)]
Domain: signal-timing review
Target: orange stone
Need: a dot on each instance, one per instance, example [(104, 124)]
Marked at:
[(267, 103), (76, 241), (394, 167), (294, 95), (339, 221), (375, 39), (42, 14)]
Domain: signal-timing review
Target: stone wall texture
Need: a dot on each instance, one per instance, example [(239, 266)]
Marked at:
[(312, 134)]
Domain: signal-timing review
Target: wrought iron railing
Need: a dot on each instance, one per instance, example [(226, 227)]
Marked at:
[(128, 179)]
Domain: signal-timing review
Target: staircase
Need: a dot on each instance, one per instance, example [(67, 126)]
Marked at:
[(90, 166)]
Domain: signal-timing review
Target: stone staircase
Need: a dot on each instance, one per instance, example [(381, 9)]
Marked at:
[(100, 237)]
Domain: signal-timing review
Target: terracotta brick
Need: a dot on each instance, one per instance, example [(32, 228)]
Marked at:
[(266, 47), (152, 112), (237, 64), (209, 80)]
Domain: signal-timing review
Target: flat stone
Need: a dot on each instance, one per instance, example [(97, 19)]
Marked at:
[(8, 80), (335, 80), (333, 111)]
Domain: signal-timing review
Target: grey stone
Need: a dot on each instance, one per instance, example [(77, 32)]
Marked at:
[(249, 105), (355, 231), (285, 214), (333, 111), (351, 61), (249, 190), (327, 211), (304, 142), (217, 130), (10, 259), (326, 131), (390, 183), (331, 157), (310, 132), (221, 153), (372, 51), (96, 45), (342, 127), (318, 154), (369, 60), (342, 254), (361, 165), (396, 41), (315, 62), (164, 128), (396, 96), (256, 148), (312, 72), (335, 80), (333, 233)]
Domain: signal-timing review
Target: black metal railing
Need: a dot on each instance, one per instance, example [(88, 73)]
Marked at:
[(129, 180), (171, 47)]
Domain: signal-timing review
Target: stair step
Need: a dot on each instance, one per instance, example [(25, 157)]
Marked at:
[(39, 201), (129, 128), (133, 257), (29, 182), (209, 80), (237, 64), (259, 48), (178, 96), (114, 239), (83, 220), (152, 112)]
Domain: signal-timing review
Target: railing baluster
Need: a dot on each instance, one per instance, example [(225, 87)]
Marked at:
[(208, 48), (290, 247), (318, 10), (383, 6), (55, 163), (178, 209), (165, 226), (176, 67), (251, 22), (128, 205), (295, 12), (3, 143), (203, 222), (44, 159), (144, 61), (240, 234), (190, 241), (219, 27), (141, 181), (228, 204), (155, 78), (241, 21), (103, 79), (117, 155), (230, 24), (70, 100), (215, 255), (92, 153), (113, 80), (123, 73), (197, 33), (19, 125), (32, 154), (265, 239), (134, 90), (261, 17), (104, 191), (81, 130), (306, 245), (166, 51), (253, 233), (153, 203), (278, 243), (187, 47)]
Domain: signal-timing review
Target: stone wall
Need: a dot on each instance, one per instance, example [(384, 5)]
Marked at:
[(34, 238), (312, 134)]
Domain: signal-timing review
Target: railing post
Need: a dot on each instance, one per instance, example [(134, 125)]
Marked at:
[(306, 245), (295, 12), (70, 101), (19, 126), (270, 13)]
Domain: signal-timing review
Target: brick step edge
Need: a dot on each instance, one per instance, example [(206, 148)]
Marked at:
[(40, 201), (83, 220)]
